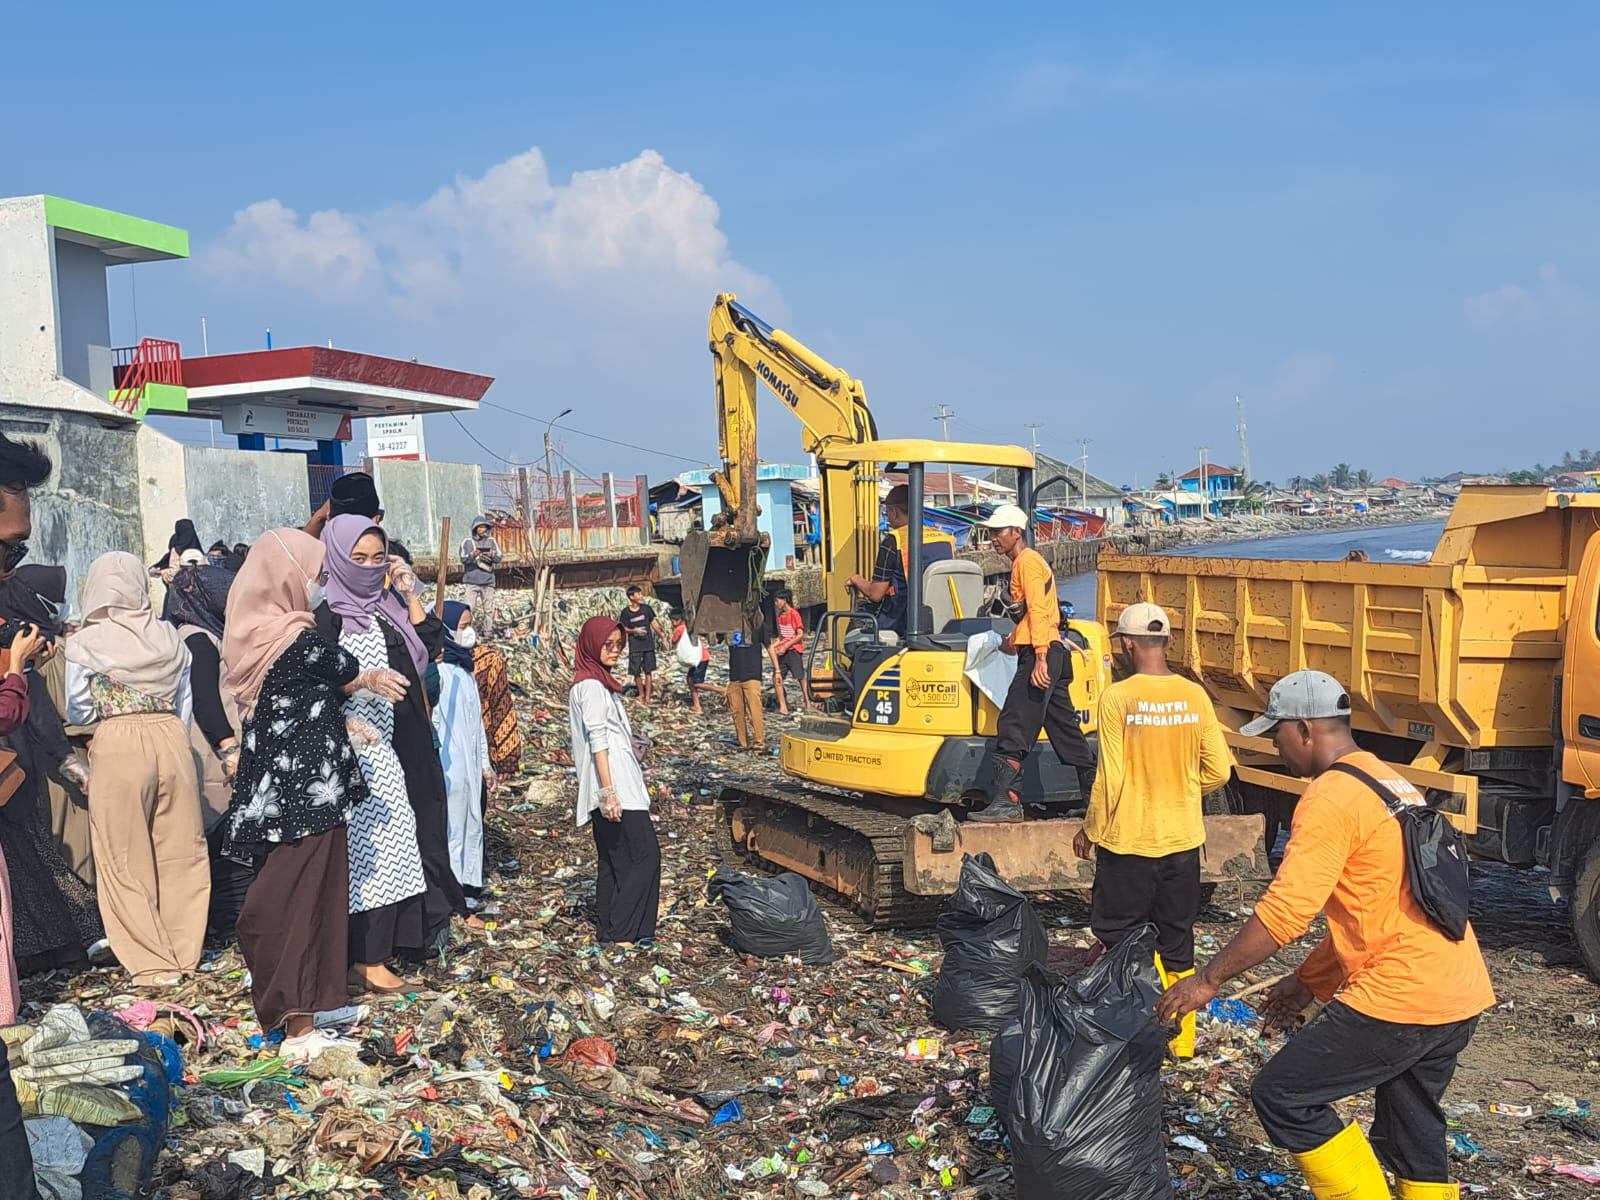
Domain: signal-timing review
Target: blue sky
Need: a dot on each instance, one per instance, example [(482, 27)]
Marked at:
[(1378, 224)]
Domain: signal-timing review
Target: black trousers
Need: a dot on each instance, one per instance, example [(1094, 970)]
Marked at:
[(1343, 1053), (1131, 891), (1029, 709), (628, 877), (16, 1161)]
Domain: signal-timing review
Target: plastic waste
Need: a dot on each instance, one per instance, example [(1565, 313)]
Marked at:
[(1005, 1052), (773, 917), (1085, 1111), (990, 935)]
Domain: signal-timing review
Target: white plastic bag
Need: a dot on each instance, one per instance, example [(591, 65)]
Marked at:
[(689, 652)]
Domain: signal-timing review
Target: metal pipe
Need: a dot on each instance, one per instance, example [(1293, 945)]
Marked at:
[(914, 481), (1025, 499)]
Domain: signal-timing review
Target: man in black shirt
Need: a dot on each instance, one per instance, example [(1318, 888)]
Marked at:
[(885, 592), (639, 619), (745, 652)]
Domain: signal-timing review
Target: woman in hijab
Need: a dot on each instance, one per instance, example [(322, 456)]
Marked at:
[(129, 671), (295, 787), (183, 539), (54, 911), (463, 749), (612, 797), (196, 604), (402, 890)]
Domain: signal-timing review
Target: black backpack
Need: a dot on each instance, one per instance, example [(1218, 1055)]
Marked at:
[(1436, 857)]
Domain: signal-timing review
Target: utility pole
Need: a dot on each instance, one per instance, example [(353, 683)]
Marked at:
[(1244, 440), (1205, 486), (1033, 428), (549, 470), (1083, 482), (944, 414)]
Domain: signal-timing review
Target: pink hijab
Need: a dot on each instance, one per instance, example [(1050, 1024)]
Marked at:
[(267, 609)]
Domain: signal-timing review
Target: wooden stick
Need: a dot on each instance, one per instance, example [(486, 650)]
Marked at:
[(1261, 987), (444, 570)]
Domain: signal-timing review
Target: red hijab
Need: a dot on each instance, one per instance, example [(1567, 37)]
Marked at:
[(586, 662)]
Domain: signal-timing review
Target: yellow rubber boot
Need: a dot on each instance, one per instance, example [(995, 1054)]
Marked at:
[(1181, 1046), (1345, 1168), (1411, 1190)]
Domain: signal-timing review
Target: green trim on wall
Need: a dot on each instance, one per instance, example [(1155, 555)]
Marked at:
[(116, 227), (158, 397)]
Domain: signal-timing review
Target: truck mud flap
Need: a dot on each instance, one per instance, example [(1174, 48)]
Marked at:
[(1036, 856)]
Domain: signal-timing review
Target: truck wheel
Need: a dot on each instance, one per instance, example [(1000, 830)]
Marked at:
[(1585, 906)]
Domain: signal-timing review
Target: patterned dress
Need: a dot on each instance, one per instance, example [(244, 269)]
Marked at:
[(297, 774), (385, 862)]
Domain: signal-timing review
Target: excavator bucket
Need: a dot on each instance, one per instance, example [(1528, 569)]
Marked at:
[(721, 584)]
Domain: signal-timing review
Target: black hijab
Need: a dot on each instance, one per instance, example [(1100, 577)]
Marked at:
[(184, 537), (198, 596)]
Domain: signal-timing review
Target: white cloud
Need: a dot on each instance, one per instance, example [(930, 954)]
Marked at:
[(641, 224), (1549, 304)]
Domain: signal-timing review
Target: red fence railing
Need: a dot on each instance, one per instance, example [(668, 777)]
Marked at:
[(151, 361)]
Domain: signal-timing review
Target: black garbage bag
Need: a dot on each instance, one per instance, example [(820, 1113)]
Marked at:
[(990, 934), (773, 917), (1004, 1053), (1085, 1108)]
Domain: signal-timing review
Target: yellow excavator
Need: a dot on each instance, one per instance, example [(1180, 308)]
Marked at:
[(876, 783)]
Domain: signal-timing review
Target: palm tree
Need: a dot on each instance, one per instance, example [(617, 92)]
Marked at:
[(1297, 483), (1163, 480), (1319, 483), (1342, 475), (1253, 496), (1364, 478)]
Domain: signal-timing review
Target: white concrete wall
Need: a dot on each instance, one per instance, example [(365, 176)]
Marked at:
[(417, 496), (84, 316)]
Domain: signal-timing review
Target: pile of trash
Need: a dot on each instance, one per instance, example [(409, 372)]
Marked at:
[(95, 1094), (531, 1061)]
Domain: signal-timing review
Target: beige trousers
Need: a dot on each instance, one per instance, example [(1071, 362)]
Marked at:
[(154, 875), (744, 702)]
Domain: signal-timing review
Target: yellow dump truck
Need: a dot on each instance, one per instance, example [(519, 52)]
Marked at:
[(1476, 672)]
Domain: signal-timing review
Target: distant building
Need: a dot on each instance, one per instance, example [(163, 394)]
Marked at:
[(1221, 483), (1393, 482), (1086, 492)]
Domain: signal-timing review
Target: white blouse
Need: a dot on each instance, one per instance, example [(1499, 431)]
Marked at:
[(599, 722)]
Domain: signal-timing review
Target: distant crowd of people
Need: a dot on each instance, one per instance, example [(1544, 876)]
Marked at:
[(293, 751)]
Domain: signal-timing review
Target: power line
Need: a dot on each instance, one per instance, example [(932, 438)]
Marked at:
[(596, 436), (479, 444)]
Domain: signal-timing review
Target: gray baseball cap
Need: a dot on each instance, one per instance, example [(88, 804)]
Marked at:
[(1302, 696)]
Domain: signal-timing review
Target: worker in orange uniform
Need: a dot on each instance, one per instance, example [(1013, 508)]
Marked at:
[(1161, 751), (1038, 697), (1402, 997)]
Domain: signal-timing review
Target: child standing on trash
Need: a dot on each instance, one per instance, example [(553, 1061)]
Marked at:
[(695, 676), (745, 651), (1161, 750)]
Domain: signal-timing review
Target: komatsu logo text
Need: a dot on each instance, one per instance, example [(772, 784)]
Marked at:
[(785, 392)]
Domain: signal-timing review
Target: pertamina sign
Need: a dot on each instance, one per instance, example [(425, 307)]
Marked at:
[(272, 421), (395, 437)]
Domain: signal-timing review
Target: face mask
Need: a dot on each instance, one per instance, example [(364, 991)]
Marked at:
[(466, 638), (314, 594)]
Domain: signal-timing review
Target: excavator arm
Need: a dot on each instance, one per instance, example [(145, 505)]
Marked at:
[(722, 571)]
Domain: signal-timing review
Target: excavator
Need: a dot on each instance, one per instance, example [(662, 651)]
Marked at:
[(877, 781)]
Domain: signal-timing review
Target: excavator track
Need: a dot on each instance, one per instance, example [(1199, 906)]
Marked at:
[(839, 843)]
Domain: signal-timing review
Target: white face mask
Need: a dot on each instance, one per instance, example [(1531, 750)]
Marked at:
[(466, 638), (314, 594)]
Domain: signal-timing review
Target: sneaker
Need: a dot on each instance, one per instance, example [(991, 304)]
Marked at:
[(999, 812), (308, 1046)]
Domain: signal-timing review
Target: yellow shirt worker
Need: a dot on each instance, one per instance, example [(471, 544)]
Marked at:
[(1161, 750)]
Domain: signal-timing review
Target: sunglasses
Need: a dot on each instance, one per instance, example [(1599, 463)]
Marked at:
[(613, 644), (15, 553)]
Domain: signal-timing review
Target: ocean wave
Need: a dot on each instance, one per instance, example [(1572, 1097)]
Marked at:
[(1410, 555)]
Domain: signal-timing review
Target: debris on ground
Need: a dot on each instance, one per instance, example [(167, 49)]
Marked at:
[(531, 1061)]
